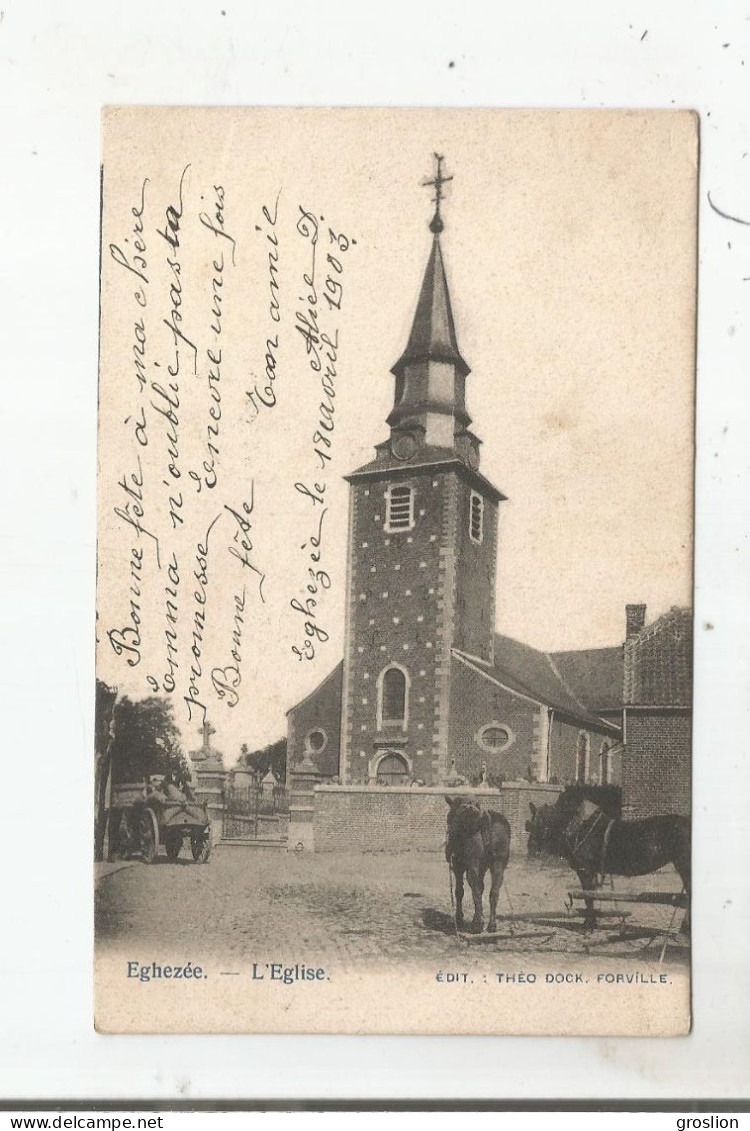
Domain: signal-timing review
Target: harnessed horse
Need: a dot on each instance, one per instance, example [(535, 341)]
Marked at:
[(595, 845)]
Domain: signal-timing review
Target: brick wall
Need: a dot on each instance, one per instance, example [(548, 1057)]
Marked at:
[(564, 747), (321, 710), (475, 702), (656, 762), (383, 819)]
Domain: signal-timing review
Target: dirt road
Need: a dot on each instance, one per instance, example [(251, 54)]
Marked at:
[(249, 904)]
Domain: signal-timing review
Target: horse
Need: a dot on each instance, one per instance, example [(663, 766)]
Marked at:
[(595, 845), (477, 840)]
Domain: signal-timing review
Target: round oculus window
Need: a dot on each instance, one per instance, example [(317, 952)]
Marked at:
[(494, 737), (316, 740)]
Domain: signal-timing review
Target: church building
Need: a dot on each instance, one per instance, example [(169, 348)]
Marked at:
[(427, 691)]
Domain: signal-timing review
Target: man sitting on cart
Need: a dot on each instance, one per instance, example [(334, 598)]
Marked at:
[(176, 789), (165, 791), (169, 788)]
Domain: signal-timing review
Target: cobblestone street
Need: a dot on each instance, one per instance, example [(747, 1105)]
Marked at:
[(250, 904)]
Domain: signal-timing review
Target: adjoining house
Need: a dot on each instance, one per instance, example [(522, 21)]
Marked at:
[(657, 716)]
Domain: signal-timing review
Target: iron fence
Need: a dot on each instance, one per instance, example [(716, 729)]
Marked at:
[(253, 811)]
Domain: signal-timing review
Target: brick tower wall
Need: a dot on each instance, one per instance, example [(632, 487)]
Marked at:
[(474, 619), (413, 594), (395, 615)]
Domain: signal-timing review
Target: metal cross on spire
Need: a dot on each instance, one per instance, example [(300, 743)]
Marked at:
[(436, 224)]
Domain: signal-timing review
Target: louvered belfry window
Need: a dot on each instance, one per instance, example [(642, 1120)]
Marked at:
[(400, 508), (476, 517)]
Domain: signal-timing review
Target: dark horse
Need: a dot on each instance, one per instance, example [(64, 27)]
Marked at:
[(595, 846), (478, 839)]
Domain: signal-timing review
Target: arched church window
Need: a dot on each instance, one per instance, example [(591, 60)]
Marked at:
[(393, 697), (400, 508), (605, 764), (392, 770), (582, 757), (476, 517)]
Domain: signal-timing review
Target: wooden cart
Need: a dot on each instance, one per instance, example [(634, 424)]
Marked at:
[(144, 825)]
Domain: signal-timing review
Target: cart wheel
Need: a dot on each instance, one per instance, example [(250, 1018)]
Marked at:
[(201, 846), (173, 844), (149, 830)]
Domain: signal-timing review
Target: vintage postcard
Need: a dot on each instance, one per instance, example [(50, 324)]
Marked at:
[(394, 615)]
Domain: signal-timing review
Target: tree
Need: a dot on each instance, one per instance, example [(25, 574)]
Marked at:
[(106, 698), (146, 741), (271, 757)]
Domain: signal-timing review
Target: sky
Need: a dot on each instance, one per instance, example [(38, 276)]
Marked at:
[(569, 247)]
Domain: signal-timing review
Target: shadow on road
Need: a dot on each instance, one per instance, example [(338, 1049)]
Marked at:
[(438, 921)]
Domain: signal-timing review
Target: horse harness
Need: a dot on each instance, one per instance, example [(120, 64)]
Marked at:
[(579, 830)]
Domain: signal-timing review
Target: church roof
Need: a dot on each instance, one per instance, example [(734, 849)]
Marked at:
[(595, 675), (578, 684), (433, 333), (536, 674), (429, 458), (335, 675)]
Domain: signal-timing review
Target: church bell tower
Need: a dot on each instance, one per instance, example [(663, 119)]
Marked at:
[(422, 554)]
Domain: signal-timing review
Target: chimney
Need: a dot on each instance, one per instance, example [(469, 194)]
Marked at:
[(635, 618)]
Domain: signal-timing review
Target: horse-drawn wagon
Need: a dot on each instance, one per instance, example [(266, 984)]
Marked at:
[(141, 823)]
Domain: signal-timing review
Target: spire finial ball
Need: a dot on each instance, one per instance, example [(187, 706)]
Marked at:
[(437, 182)]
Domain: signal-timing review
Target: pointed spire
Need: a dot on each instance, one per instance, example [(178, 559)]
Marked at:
[(433, 333), (429, 420)]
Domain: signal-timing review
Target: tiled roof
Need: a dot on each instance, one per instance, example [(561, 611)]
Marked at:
[(659, 662), (537, 674), (595, 675), (429, 455), (429, 458)]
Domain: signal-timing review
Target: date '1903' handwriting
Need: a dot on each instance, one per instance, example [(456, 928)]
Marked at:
[(317, 324)]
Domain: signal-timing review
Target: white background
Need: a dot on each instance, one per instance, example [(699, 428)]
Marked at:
[(58, 66)]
